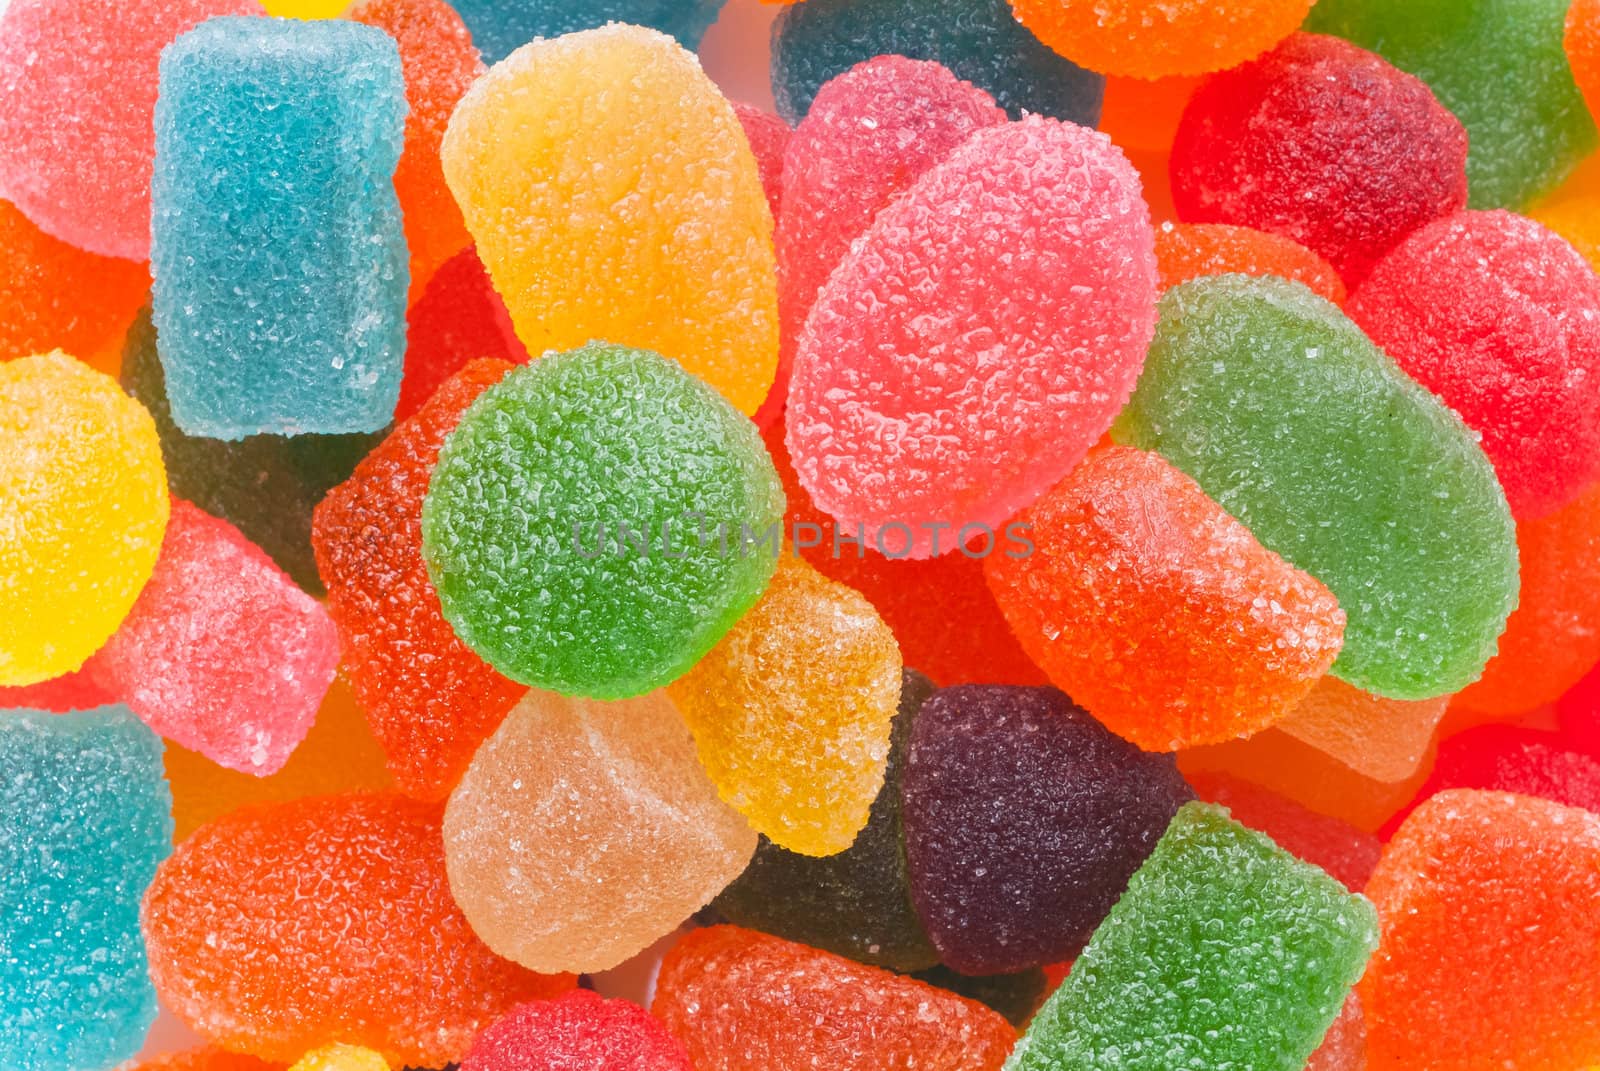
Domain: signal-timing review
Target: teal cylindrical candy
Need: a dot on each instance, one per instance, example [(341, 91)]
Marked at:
[(598, 520), (1226, 951), (1499, 65), (1287, 415)]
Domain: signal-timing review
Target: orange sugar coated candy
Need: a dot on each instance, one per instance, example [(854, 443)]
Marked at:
[(791, 711), (1490, 951), (439, 64), (1553, 636), (57, 296), (1578, 221), (584, 831), (1142, 114), (1157, 611), (1186, 251), (1159, 38), (341, 1058), (744, 1001), (1384, 739), (284, 927), (1583, 49), (613, 195), (204, 1058), (338, 755)]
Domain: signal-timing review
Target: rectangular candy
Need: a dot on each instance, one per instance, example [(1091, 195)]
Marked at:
[(279, 260)]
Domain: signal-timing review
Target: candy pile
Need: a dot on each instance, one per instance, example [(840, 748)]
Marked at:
[(1070, 544)]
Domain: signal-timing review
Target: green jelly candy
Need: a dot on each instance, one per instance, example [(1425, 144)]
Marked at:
[(1016, 996), (1284, 412), (1225, 952), (598, 520), (1499, 66), (856, 903)]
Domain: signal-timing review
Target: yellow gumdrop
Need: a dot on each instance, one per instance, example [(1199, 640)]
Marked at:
[(306, 9), (341, 1058), (83, 507), (791, 711), (613, 196)]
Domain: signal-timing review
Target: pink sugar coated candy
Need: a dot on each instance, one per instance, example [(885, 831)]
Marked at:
[(222, 653), (77, 132), (768, 136), (977, 340), (1501, 319), (578, 1031)]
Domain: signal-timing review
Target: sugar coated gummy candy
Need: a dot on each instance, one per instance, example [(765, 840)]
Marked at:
[(430, 700), (1501, 319), (1498, 66), (439, 63), (85, 816), (613, 196), (584, 830), (1187, 251), (979, 40), (265, 485), (856, 903), (499, 28), (341, 1058), (221, 653), (768, 136), (1384, 739), (1287, 416), (203, 1058), (792, 710), (1226, 951), (1491, 946), (1157, 611), (305, 9), (459, 318), (1325, 143), (279, 260), (588, 525), (743, 1001), (68, 692), (1024, 819), (1344, 1047), (1155, 40), (83, 505), (973, 344), (1509, 758), (76, 140), (1347, 853), (1582, 44), (243, 953), (1016, 995), (579, 1031)]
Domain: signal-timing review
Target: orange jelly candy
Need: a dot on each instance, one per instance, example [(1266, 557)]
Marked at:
[(1384, 739), (1186, 251)]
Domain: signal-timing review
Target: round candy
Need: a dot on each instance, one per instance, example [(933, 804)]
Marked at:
[(83, 507), (593, 524), (1325, 143), (1187, 251), (579, 1031), (1151, 39), (1501, 319)]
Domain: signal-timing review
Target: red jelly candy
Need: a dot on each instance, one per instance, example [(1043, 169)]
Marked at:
[(1336, 846), (460, 317), (579, 1031)]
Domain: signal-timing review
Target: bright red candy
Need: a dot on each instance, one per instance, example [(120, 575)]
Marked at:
[(1336, 846), (459, 318), (768, 136), (579, 1031), (75, 691)]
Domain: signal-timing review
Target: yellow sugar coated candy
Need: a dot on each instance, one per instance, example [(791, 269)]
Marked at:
[(306, 9), (83, 507), (613, 196), (791, 711), (341, 1058)]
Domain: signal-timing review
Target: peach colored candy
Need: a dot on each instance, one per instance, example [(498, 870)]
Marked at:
[(1384, 739), (1186, 251)]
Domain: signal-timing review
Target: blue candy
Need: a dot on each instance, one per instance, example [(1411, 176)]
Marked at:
[(85, 817), (500, 27), (279, 261)]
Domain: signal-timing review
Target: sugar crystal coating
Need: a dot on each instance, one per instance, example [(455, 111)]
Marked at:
[(1024, 819), (613, 197), (979, 40), (1491, 946), (1225, 952), (768, 136), (83, 505), (588, 525), (278, 255), (1157, 611), (221, 653), (1287, 416), (459, 318), (1323, 142), (584, 831), (1187, 251), (430, 700), (1384, 739), (76, 140), (85, 816), (1498, 66), (579, 1031), (856, 903), (380, 956), (1501, 319), (1341, 849), (743, 1001), (977, 340), (791, 712), (500, 28)]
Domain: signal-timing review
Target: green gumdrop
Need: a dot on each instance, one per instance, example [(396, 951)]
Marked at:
[(1226, 951), (1499, 65), (592, 524), (1287, 415), (856, 903)]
